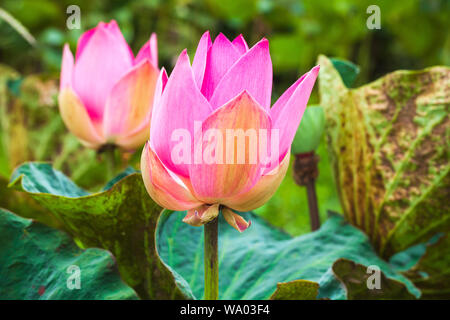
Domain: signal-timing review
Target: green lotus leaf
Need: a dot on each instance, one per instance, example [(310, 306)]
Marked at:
[(38, 262), (355, 278), (310, 130), (121, 219), (431, 274), (253, 262), (296, 290), (347, 70), (389, 146)]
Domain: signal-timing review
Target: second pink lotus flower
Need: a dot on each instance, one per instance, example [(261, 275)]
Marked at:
[(227, 87), (106, 94)]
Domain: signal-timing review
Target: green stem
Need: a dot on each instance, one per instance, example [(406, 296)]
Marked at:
[(110, 162), (312, 204), (305, 174), (211, 260)]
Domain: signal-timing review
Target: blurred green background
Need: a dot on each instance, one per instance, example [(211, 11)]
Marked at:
[(413, 35)]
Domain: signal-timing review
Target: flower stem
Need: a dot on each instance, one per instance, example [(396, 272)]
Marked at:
[(312, 204), (305, 174), (110, 162), (211, 260)]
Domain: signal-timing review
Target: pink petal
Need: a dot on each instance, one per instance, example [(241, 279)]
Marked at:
[(159, 89), (284, 98), (262, 191), (287, 112), (113, 27), (77, 119), (240, 44), (226, 175), (83, 40), (222, 55), (235, 220), (159, 183), (129, 106), (149, 51), (200, 58), (103, 62), (252, 72), (110, 27), (154, 48), (201, 215), (180, 105), (66, 68), (135, 140)]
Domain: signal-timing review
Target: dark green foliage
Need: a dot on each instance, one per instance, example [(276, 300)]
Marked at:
[(121, 219), (389, 146), (296, 290), (124, 220), (35, 263), (253, 262), (355, 277), (347, 70)]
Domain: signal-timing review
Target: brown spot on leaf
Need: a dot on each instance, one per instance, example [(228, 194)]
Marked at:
[(41, 290)]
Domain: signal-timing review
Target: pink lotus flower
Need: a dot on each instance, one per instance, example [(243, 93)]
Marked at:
[(228, 87), (106, 95)]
